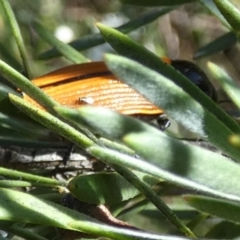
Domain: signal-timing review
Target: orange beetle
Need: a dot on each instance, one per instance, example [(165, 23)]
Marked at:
[(92, 83)]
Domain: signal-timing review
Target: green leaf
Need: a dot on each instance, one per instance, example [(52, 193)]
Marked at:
[(153, 3), (66, 50), (228, 210), (103, 196), (224, 230), (231, 14), (15, 205), (21, 232), (16, 33), (220, 44), (226, 82), (116, 146), (10, 139), (21, 126), (111, 188), (154, 198), (26, 86), (52, 122), (21, 207), (14, 184), (8, 56), (13, 174), (93, 40), (190, 162), (167, 158), (5, 90), (104, 188), (127, 47), (194, 176), (7, 108), (174, 101), (212, 8)]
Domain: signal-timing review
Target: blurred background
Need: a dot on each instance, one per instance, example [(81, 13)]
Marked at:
[(176, 35)]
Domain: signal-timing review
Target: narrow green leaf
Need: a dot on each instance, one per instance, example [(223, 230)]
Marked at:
[(133, 178), (191, 175), (8, 56), (116, 146), (19, 140), (230, 12), (153, 3), (30, 177), (104, 188), (110, 188), (21, 207), (5, 90), (196, 220), (16, 33), (15, 205), (52, 122), (220, 44), (122, 234), (184, 164), (66, 50), (101, 188), (26, 86), (93, 40), (127, 47), (114, 126), (21, 126), (174, 101), (189, 162), (14, 184), (212, 8), (23, 233), (224, 230), (228, 210), (227, 83), (9, 135)]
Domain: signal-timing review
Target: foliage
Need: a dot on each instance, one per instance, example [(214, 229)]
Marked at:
[(152, 176)]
